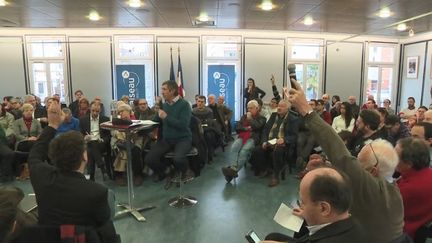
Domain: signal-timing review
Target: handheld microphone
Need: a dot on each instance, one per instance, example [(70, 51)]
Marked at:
[(292, 74)]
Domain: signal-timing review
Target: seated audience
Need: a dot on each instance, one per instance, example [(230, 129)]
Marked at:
[(74, 106), (369, 174), (354, 107), (420, 113), (227, 113), (324, 114), (27, 129), (7, 123), (282, 127), (423, 130), (415, 183), (428, 116), (63, 194), (143, 111), (396, 129), (6, 159), (98, 100), (325, 200), (345, 121), (15, 108), (335, 107), (70, 123), (219, 115), (118, 140), (367, 130), (249, 130), (410, 111), (83, 108), (387, 106), (175, 117), (97, 139)]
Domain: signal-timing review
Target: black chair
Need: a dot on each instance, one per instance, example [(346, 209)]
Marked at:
[(423, 233), (52, 234)]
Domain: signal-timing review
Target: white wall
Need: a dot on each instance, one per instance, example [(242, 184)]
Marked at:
[(262, 58), (90, 67), (428, 77), (412, 86), (344, 69), (189, 54), (12, 78)]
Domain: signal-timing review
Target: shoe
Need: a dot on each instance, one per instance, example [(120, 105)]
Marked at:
[(273, 182), (138, 180), (229, 173)]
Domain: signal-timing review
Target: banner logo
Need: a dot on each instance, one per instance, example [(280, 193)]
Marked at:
[(221, 81)]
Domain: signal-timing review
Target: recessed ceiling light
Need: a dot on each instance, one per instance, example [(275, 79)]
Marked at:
[(203, 17), (411, 33), (3, 3), (94, 16), (308, 20), (266, 5), (384, 13), (135, 3), (401, 27)]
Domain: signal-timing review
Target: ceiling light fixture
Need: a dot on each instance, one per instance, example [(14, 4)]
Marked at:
[(135, 3), (94, 16), (308, 20), (401, 27), (3, 3), (203, 17), (266, 5), (411, 33), (384, 13)]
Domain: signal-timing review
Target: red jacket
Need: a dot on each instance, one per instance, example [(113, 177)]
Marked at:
[(416, 190), (325, 115)]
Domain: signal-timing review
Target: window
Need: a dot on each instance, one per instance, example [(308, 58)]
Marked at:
[(222, 70), (307, 56), (380, 72), (137, 50), (47, 64)]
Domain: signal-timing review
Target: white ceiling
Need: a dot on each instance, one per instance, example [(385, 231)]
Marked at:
[(336, 16)]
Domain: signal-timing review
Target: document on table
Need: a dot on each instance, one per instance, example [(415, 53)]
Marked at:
[(272, 142), (285, 218), (145, 122)]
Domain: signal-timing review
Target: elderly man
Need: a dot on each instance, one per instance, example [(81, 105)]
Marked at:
[(326, 99), (415, 183), (218, 113), (354, 107), (70, 123), (249, 130), (97, 139), (325, 200), (277, 142), (227, 114), (377, 203), (143, 111)]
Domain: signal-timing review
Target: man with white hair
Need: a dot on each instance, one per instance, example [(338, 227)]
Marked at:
[(249, 134), (377, 203)]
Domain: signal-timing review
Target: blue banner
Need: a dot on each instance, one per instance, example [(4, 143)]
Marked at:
[(221, 83), (130, 80)]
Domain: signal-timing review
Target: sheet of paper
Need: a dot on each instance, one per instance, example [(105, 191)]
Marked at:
[(285, 218), (272, 142), (144, 122)]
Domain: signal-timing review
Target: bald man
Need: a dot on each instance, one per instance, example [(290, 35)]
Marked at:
[(325, 197)]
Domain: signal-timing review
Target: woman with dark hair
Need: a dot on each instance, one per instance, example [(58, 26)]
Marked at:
[(252, 92), (345, 121), (83, 108)]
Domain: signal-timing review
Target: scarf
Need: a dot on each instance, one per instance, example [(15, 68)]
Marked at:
[(245, 135), (274, 131), (28, 123)]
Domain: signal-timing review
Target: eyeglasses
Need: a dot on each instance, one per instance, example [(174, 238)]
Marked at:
[(376, 157)]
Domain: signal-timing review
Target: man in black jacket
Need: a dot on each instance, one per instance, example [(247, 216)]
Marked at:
[(325, 199), (277, 142), (63, 194), (98, 140)]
